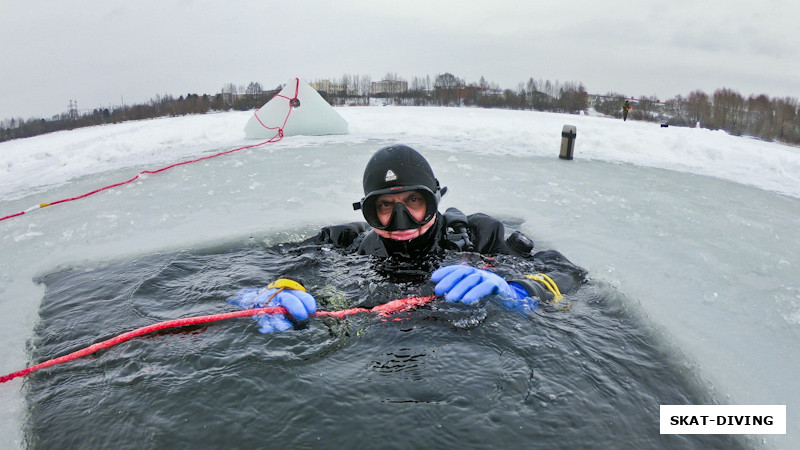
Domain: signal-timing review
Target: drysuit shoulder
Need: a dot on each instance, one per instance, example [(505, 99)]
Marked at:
[(488, 236), (340, 236)]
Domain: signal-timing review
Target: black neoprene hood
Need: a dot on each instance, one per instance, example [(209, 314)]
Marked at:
[(398, 166), (392, 170)]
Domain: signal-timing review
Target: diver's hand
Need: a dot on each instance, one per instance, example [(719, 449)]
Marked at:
[(298, 303), (522, 304), (465, 284)]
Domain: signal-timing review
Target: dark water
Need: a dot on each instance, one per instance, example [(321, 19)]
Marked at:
[(442, 376)]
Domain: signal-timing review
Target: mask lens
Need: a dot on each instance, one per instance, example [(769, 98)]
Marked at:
[(374, 207)]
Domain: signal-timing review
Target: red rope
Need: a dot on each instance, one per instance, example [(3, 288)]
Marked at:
[(278, 136), (383, 310), (291, 106)]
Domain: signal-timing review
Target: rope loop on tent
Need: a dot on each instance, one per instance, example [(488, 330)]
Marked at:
[(384, 310), (277, 137), (294, 102)]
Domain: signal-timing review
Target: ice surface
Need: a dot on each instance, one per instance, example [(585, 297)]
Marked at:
[(705, 250)]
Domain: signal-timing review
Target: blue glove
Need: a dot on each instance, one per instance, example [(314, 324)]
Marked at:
[(299, 305), (523, 305), (468, 284), (459, 283)]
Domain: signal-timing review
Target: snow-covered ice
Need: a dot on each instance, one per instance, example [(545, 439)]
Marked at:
[(697, 228)]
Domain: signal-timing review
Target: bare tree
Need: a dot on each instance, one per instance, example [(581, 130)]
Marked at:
[(229, 93), (573, 97), (785, 127), (728, 111), (254, 89), (447, 87), (366, 84), (760, 115), (347, 83), (698, 106), (391, 84)]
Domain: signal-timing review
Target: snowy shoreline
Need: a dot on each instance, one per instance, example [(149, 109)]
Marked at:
[(55, 158)]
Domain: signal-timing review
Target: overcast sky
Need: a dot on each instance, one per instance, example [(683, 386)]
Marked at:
[(100, 53)]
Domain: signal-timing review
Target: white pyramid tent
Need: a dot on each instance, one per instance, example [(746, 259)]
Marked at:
[(303, 110)]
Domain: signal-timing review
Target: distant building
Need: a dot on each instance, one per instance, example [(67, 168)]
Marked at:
[(328, 86), (388, 87)]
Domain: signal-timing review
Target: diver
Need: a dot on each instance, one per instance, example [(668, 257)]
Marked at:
[(400, 206)]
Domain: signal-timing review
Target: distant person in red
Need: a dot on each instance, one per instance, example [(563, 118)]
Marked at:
[(625, 108)]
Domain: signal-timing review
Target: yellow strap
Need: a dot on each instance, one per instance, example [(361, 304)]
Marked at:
[(285, 283), (549, 284), (44, 205)]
